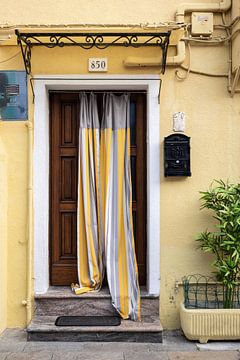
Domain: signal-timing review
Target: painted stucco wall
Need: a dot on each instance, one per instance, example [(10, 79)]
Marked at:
[(15, 143), (3, 237), (14, 139), (87, 12), (213, 123)]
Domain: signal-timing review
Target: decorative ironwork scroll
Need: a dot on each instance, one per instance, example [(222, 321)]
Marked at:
[(88, 41)]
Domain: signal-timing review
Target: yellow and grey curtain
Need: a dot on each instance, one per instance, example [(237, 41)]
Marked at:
[(90, 239), (105, 229)]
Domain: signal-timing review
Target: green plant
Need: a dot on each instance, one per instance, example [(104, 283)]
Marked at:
[(224, 200)]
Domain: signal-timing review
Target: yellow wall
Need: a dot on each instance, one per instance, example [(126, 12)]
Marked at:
[(84, 12), (14, 138), (3, 237), (212, 123), (15, 142)]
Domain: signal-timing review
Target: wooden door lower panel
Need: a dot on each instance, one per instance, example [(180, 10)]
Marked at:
[(64, 274)]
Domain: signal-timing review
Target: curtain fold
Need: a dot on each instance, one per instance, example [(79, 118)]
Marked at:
[(105, 228), (121, 265), (90, 240)]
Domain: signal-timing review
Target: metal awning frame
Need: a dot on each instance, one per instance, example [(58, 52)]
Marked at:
[(89, 40)]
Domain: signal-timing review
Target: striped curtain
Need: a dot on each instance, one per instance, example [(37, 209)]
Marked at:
[(105, 229), (90, 239)]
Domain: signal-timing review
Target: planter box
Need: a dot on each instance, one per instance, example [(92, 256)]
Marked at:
[(210, 324)]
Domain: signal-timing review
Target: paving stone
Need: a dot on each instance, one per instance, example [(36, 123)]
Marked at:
[(170, 345), (210, 355), (11, 346), (52, 346), (99, 356), (14, 335), (12, 340), (145, 347), (109, 347), (174, 341), (219, 346), (36, 355), (94, 346), (60, 355), (3, 356), (79, 355), (144, 355)]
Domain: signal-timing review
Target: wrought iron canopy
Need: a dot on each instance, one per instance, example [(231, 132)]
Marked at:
[(90, 40)]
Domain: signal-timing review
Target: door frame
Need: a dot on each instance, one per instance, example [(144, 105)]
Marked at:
[(44, 83)]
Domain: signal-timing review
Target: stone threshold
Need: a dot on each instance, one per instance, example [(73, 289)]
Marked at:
[(149, 329), (62, 292)]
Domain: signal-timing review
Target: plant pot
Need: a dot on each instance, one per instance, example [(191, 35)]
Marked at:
[(210, 324)]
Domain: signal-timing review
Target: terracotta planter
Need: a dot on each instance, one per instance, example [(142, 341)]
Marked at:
[(210, 324)]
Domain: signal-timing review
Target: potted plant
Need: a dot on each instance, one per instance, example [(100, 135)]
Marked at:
[(222, 322)]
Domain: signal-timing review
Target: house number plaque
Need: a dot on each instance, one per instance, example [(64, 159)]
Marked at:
[(97, 64)]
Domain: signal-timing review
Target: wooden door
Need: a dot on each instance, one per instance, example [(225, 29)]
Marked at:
[(64, 125), (138, 173)]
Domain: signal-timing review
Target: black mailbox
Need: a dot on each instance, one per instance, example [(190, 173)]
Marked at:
[(177, 155)]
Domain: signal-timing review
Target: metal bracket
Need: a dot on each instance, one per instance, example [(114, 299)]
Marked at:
[(26, 53), (159, 90), (235, 82), (88, 41)]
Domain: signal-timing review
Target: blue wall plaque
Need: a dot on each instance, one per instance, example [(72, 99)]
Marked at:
[(13, 95)]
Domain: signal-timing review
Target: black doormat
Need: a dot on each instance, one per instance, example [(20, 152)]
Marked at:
[(88, 321)]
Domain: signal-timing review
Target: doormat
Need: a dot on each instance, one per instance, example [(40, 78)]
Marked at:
[(88, 321)]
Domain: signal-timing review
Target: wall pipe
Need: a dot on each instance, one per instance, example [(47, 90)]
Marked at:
[(28, 301), (221, 6), (227, 29), (156, 61), (181, 54), (5, 28), (205, 73)]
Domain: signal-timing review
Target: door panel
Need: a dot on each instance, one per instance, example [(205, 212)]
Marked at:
[(64, 124), (68, 174), (64, 168), (138, 172)]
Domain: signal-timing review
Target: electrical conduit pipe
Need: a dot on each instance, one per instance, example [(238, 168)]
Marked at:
[(28, 301), (157, 61), (221, 6)]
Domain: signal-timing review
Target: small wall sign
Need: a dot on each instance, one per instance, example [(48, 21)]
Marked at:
[(179, 121), (13, 95), (97, 64)]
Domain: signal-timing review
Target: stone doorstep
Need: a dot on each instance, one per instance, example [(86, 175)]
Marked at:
[(62, 292), (59, 301), (42, 328)]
